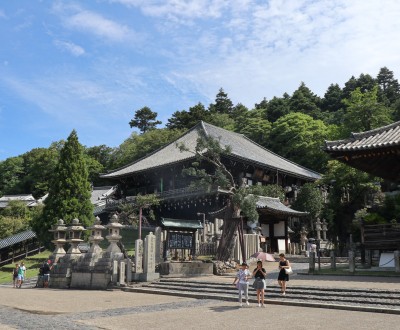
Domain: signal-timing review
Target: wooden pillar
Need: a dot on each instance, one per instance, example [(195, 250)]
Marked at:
[(286, 237)]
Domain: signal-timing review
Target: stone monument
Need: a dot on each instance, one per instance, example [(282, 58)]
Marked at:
[(149, 271)]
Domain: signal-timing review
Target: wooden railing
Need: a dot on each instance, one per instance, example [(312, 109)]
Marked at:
[(382, 237)]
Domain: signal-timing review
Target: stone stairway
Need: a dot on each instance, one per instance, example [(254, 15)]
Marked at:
[(380, 301)]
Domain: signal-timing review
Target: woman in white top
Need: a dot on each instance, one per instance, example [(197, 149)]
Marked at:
[(242, 277)]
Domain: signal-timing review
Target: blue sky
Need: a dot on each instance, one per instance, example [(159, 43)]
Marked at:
[(89, 65)]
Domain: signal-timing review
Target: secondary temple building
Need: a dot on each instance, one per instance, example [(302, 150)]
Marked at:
[(376, 152), (161, 172)]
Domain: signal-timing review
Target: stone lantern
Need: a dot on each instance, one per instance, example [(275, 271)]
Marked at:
[(113, 236), (59, 231), (75, 232), (96, 236)]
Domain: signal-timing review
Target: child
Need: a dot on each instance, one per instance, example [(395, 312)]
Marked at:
[(15, 275)]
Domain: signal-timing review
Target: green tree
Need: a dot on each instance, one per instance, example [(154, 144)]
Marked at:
[(145, 120), (309, 199), (11, 175), (389, 85), (222, 105), (277, 107), (270, 190), (348, 191), (103, 154), (14, 218), (364, 112), (299, 138), (305, 101), (332, 100), (137, 146), (181, 120), (254, 126), (365, 82), (69, 193), (39, 164)]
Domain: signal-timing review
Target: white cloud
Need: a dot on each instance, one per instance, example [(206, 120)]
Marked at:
[(98, 25), (72, 48), (267, 49), (178, 9)]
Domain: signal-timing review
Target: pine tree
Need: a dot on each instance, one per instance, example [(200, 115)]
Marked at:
[(69, 192)]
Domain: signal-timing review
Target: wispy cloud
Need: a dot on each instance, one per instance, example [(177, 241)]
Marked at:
[(98, 25), (178, 9), (78, 18), (70, 47)]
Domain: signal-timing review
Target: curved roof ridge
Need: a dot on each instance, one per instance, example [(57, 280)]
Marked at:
[(376, 130)]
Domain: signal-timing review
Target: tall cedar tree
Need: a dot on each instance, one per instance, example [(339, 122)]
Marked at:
[(69, 192)]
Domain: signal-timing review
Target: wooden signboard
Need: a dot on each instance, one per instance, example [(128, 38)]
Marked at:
[(180, 240)]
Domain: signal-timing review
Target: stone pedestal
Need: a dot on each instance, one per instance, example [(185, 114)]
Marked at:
[(352, 262), (311, 267), (333, 260), (397, 261)]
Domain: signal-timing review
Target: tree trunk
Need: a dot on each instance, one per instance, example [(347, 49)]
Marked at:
[(227, 243)]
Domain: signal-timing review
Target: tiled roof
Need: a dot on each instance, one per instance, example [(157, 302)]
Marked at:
[(100, 193), (242, 148), (17, 238), (386, 136), (181, 223), (275, 205), (28, 199)]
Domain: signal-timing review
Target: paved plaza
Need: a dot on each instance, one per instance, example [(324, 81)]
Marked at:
[(33, 308)]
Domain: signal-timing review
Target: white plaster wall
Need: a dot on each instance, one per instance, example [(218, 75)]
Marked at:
[(279, 228)]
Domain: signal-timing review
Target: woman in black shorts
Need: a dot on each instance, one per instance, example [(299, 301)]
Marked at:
[(283, 277)]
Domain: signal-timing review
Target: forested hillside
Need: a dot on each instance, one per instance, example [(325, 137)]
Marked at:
[(293, 126)]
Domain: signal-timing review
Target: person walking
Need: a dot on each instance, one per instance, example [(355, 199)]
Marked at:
[(242, 278), (21, 275), (15, 275), (259, 275), (283, 277)]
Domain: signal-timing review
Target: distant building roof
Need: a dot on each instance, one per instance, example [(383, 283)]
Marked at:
[(100, 193), (242, 149), (28, 199), (17, 238), (274, 205), (376, 151), (181, 223)]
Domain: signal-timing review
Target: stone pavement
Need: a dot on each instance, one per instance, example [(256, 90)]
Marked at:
[(32, 308)]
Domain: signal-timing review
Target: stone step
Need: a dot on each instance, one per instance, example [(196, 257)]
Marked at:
[(390, 294), (382, 301), (303, 295)]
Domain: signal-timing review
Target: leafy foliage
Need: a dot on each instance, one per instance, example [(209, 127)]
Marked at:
[(145, 120), (299, 137), (70, 191), (14, 218)]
